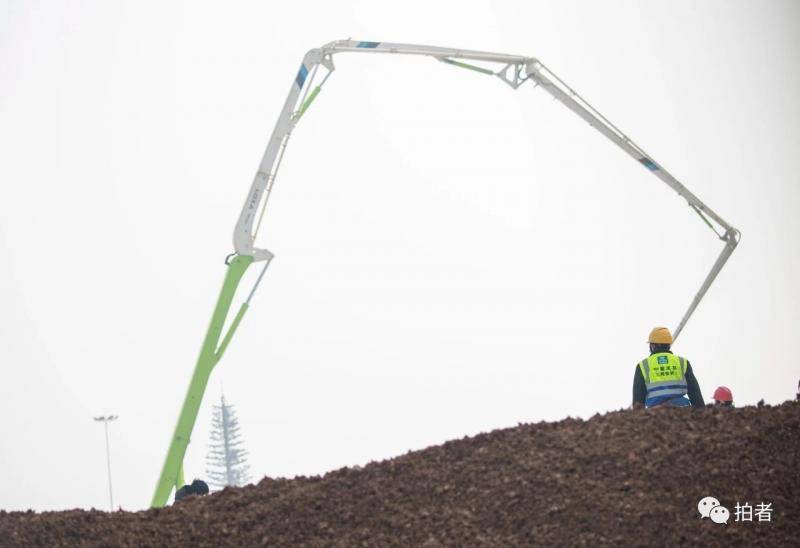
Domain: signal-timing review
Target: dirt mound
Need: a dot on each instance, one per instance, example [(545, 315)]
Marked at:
[(622, 478)]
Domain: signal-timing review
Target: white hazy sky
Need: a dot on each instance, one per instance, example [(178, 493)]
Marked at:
[(452, 256)]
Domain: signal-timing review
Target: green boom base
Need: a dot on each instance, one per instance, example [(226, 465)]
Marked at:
[(211, 352)]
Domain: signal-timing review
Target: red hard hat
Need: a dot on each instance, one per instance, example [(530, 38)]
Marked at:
[(723, 393)]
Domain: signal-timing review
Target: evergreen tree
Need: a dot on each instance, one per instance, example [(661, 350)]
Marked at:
[(226, 462)]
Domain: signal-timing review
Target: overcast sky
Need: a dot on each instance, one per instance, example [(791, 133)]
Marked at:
[(452, 256)]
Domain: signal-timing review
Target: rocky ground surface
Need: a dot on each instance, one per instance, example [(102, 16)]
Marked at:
[(624, 478)]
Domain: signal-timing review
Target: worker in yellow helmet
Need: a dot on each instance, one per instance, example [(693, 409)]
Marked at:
[(664, 378)]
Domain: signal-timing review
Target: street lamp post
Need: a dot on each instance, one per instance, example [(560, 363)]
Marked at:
[(105, 420)]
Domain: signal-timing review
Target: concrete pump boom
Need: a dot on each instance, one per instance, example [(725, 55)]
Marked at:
[(514, 70)]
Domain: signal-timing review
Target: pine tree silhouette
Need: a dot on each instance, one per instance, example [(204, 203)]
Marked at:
[(226, 462)]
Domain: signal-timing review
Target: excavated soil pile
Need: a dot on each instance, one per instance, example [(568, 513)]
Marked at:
[(625, 478)]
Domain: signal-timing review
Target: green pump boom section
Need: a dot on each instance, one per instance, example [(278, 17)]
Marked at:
[(513, 70), (210, 354)]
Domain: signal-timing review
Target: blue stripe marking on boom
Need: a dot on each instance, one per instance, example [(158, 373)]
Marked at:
[(368, 44), (649, 164), (301, 76)]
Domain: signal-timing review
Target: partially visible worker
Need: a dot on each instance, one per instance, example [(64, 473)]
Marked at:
[(723, 396), (664, 378), (196, 488)]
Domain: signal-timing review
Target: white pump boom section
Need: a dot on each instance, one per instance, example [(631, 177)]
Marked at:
[(513, 70)]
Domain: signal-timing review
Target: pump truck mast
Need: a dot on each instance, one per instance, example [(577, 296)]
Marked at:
[(513, 70)]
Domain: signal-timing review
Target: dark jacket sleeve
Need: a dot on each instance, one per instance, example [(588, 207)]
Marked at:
[(695, 395), (639, 388)]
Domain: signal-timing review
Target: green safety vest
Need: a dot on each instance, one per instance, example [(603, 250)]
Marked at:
[(664, 376)]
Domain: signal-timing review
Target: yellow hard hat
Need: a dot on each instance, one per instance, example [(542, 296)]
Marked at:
[(660, 335)]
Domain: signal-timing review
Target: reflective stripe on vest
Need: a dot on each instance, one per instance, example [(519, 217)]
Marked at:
[(664, 376)]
